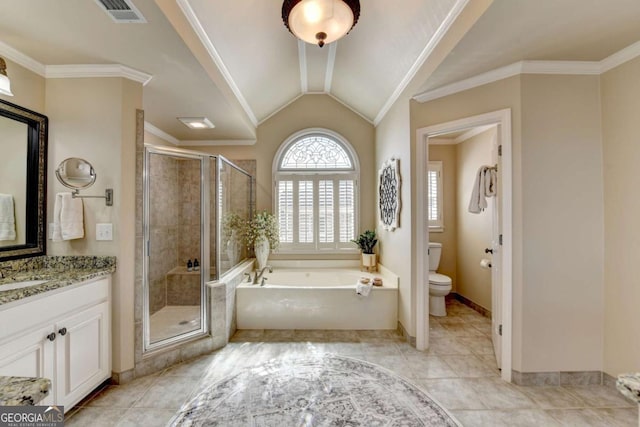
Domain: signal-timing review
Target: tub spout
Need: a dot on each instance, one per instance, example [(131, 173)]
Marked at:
[(258, 275)]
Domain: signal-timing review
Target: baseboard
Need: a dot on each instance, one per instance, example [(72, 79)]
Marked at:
[(470, 304), (122, 378), (401, 330), (558, 378)]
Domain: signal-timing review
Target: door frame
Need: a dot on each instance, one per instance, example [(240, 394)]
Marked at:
[(501, 118)]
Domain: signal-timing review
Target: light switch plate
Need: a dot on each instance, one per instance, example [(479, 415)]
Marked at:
[(104, 231)]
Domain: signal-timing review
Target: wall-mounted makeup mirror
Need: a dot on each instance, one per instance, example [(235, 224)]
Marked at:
[(78, 174), (23, 181)]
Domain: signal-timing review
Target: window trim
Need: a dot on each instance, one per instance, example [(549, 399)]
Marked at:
[(332, 174), (436, 225)]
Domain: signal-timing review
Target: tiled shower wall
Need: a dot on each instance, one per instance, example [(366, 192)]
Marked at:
[(174, 214), (189, 208), (163, 226)]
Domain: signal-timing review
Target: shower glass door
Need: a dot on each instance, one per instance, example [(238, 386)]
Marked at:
[(175, 206)]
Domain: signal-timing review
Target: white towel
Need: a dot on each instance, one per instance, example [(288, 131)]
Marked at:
[(363, 290), (7, 218), (485, 185), (68, 221)]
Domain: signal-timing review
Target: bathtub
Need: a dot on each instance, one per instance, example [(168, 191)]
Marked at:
[(317, 297)]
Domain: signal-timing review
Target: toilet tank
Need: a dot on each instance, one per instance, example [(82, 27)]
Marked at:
[(435, 250)]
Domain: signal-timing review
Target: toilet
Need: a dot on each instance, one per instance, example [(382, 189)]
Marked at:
[(439, 284)]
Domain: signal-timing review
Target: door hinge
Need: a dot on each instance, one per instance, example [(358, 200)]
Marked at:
[(500, 240), (500, 150), (500, 330)]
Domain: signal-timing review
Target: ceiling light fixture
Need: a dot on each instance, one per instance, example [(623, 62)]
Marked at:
[(197, 122), (5, 83), (320, 21)]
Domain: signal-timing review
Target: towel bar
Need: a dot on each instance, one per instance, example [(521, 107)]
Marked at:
[(108, 196)]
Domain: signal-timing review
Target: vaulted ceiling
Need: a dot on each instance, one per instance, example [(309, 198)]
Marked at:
[(235, 63)]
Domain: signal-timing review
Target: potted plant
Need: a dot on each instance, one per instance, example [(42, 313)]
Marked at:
[(262, 233), (366, 243)]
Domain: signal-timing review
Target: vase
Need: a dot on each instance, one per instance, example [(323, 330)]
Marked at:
[(369, 262), (261, 248), (233, 249)]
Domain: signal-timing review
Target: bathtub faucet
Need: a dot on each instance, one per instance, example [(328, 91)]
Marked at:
[(257, 277)]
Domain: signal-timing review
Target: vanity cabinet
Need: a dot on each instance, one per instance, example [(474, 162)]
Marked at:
[(65, 337)]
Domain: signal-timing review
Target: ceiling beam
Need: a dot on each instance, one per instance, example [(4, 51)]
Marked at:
[(302, 59), (331, 62)]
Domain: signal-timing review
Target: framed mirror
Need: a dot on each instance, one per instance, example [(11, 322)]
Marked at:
[(76, 173), (23, 179)]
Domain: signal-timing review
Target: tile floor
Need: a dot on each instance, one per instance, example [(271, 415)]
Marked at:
[(172, 320), (458, 370)]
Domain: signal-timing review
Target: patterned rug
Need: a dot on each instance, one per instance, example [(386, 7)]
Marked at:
[(326, 390)]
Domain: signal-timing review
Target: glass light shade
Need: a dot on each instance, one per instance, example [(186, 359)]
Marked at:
[(5, 85), (309, 18)]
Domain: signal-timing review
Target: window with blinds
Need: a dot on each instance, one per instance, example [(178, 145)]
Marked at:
[(434, 195), (316, 185)]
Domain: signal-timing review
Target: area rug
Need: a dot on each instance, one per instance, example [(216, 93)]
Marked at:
[(324, 390)]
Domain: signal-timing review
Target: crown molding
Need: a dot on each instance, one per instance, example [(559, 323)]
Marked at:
[(472, 132), (620, 57), (73, 70), (206, 143), (535, 67), (455, 11), (561, 67), (21, 59), (148, 127), (470, 83), (96, 70), (193, 20)]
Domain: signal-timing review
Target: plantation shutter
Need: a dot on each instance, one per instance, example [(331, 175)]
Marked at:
[(285, 211), (305, 211), (347, 203)]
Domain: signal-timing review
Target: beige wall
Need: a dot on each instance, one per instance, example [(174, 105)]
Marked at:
[(474, 231), (448, 237), (620, 94), (94, 118), (392, 137), (491, 97), (557, 213), (28, 87), (562, 220), (310, 111)]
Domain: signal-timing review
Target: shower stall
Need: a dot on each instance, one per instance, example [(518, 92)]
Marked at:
[(194, 205)]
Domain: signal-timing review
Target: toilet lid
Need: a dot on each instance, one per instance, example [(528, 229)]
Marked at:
[(439, 279)]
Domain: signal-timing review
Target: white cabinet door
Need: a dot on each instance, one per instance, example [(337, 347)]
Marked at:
[(30, 355), (83, 350)]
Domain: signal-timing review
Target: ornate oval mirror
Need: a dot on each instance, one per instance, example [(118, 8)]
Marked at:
[(76, 173)]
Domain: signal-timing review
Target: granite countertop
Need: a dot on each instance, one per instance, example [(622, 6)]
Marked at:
[(20, 391), (629, 385), (58, 271)]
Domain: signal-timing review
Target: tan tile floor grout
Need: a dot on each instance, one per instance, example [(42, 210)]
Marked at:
[(458, 370)]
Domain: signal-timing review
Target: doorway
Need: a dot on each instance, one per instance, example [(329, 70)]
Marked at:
[(499, 222)]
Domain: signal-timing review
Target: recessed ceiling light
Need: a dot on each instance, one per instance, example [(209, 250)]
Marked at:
[(197, 122)]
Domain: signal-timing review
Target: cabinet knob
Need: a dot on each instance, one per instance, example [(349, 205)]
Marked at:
[(51, 336), (488, 251), (63, 331)]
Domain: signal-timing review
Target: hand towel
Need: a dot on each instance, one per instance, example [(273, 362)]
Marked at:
[(7, 218), (68, 221), (478, 203), (485, 185), (363, 290)]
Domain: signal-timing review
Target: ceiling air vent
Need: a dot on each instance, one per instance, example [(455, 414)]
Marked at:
[(122, 11)]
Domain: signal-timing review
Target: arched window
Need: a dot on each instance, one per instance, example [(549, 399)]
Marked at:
[(316, 192)]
